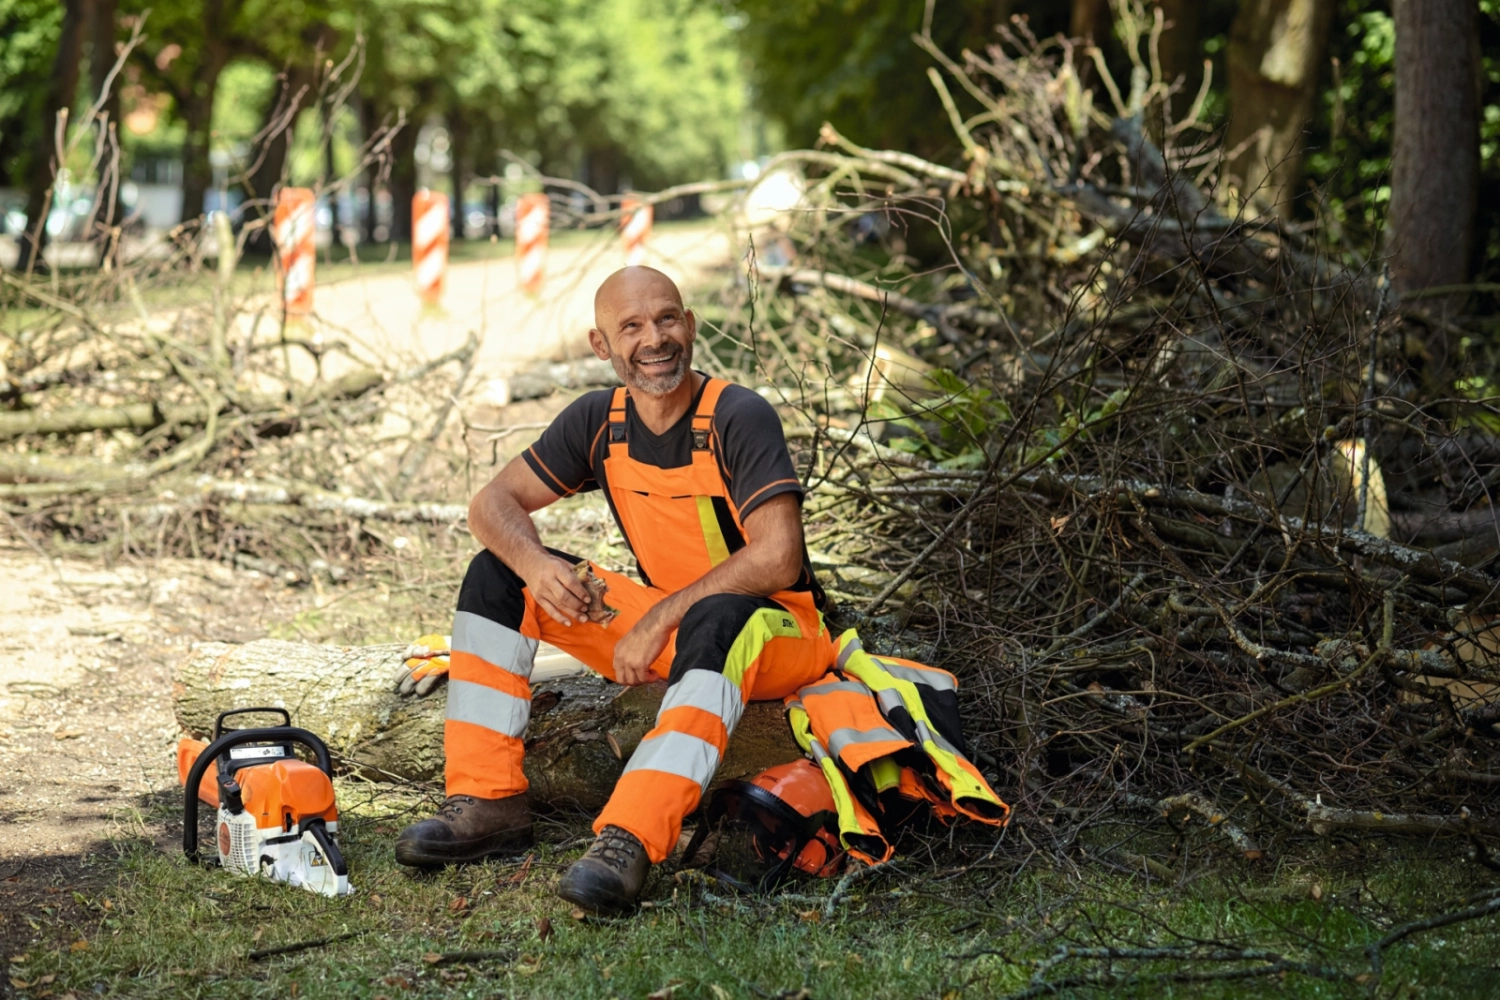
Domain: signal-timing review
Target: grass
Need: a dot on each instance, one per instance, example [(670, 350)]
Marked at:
[(164, 929)]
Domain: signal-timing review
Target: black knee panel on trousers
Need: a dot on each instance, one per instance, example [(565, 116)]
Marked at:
[(709, 629), (493, 590)]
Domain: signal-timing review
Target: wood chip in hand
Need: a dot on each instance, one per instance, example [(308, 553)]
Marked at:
[(598, 612)]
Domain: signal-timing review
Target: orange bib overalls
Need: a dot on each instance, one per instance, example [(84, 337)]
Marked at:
[(728, 649)]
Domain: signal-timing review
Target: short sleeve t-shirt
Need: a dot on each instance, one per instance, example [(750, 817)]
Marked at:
[(753, 457)]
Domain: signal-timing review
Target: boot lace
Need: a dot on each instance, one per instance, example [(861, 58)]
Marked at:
[(615, 848), (454, 805)]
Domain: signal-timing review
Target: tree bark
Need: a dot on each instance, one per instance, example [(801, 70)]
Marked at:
[(61, 93), (344, 695), (1435, 155), (1276, 50)]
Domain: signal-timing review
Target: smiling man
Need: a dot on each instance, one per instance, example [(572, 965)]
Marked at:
[(697, 474)]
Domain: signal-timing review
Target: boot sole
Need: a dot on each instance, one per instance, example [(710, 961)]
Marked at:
[(613, 905), (414, 856)]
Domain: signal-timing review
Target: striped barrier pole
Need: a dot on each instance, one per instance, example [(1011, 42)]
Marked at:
[(635, 225), (294, 231), (533, 218), (429, 243)]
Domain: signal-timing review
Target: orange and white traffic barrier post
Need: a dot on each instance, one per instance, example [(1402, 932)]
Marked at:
[(533, 219), (635, 225), (429, 243), (294, 230)]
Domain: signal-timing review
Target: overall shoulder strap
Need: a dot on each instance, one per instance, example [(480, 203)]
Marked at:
[(703, 418), (617, 417)]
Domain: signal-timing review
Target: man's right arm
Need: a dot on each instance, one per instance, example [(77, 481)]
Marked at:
[(500, 517)]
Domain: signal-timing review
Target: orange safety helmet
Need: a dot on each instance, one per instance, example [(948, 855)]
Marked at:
[(792, 822)]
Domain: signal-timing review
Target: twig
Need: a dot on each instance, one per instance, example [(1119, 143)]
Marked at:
[(288, 949), (847, 882)]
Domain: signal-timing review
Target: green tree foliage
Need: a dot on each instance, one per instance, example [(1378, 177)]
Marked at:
[(853, 62), (28, 41)]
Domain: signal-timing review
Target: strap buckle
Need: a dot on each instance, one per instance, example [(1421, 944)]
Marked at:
[(700, 439), (616, 433)]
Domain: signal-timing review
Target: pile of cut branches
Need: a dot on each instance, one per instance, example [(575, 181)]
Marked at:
[(212, 427), (1154, 467)]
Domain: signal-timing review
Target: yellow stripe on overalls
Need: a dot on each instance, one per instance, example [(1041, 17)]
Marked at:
[(964, 784), (713, 535)]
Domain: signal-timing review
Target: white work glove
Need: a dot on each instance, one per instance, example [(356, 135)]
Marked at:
[(426, 666)]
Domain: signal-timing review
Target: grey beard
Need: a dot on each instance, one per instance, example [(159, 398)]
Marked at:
[(653, 385)]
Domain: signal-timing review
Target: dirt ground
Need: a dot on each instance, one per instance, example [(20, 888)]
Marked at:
[(86, 727)]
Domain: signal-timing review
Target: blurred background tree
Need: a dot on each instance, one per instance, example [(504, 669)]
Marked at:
[(620, 94)]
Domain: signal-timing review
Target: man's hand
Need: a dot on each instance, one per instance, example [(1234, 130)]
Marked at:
[(639, 648), (557, 589)]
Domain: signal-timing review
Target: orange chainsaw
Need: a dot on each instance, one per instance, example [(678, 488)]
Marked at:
[(276, 813)]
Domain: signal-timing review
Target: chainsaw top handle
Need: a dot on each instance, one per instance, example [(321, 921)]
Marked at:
[(228, 742), (286, 717)]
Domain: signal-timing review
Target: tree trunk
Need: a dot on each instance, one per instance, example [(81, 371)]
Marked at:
[(343, 694), (61, 92), (1088, 22), (198, 111), (458, 152), (403, 180), (1182, 51), (369, 124), (1435, 156), (278, 127), (1276, 50)]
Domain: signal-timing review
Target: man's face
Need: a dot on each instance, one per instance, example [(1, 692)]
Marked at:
[(648, 337)]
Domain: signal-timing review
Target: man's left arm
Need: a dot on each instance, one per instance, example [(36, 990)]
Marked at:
[(770, 561)]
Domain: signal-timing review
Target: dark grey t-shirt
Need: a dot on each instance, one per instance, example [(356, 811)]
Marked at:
[(752, 453)]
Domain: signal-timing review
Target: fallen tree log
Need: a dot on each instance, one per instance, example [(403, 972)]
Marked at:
[(583, 728), (145, 415)]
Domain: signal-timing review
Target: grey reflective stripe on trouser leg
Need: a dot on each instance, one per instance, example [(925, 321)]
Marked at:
[(484, 706), (890, 700), (710, 691), (938, 680), (832, 687), (839, 739), (493, 643), (677, 753), (931, 735)]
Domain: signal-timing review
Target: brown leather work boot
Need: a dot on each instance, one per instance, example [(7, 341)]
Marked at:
[(466, 828), (609, 876)]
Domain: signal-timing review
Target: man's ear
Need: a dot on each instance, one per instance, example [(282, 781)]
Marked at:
[(599, 344), (692, 325)]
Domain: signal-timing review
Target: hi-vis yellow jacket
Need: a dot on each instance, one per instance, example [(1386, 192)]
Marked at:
[(886, 734)]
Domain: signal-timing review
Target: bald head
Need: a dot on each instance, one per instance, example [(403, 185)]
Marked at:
[(630, 285), (640, 325)]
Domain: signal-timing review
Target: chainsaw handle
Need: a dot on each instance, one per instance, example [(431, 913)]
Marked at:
[(286, 717), (228, 742)]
